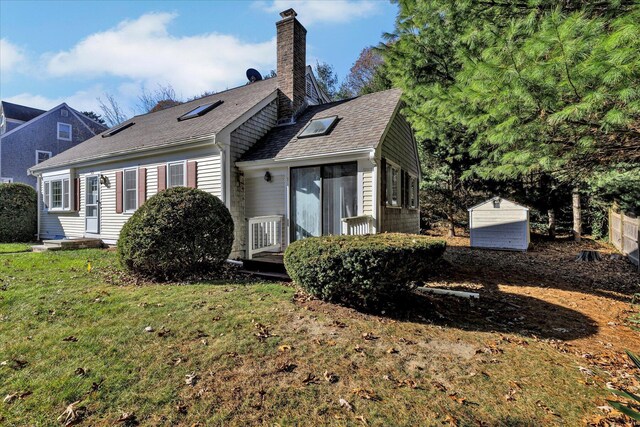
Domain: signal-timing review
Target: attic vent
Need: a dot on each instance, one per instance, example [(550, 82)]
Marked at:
[(496, 203), (199, 111), (318, 127), (64, 113), (117, 129)]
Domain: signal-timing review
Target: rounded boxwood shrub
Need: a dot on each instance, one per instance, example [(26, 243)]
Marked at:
[(178, 233), (361, 271), (18, 213)]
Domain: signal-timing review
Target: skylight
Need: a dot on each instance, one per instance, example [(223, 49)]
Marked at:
[(199, 111), (318, 127), (117, 129)]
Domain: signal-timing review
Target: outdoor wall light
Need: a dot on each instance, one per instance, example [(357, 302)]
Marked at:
[(104, 180), (267, 176)]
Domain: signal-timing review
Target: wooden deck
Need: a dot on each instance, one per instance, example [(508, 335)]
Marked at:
[(268, 265)]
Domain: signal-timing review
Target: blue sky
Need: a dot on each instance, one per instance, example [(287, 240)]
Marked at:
[(76, 51)]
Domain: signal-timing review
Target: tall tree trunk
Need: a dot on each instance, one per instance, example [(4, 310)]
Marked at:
[(577, 215), (452, 225), (552, 223)]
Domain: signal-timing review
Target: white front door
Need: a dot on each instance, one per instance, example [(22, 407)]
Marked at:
[(92, 205)]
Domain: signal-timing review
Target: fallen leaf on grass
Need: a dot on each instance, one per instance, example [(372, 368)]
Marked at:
[(453, 421), (586, 371), (80, 372), (310, 379), (331, 377), (70, 338), (540, 404), (191, 379), (369, 336), (286, 367), (362, 419), (339, 324), (127, 418), (284, 347), (406, 341), (363, 393), (454, 396), (358, 349), (18, 364), (263, 331), (72, 414), (392, 351), (346, 405), (439, 386)]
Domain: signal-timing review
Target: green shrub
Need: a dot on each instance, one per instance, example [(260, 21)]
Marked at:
[(18, 213), (178, 233), (361, 271)]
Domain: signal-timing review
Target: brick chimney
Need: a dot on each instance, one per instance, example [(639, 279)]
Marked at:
[(292, 63)]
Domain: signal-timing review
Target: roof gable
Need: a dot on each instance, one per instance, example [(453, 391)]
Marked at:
[(504, 203), (361, 124)]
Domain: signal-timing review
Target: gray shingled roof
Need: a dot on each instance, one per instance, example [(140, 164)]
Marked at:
[(20, 112), (361, 124), (162, 127)]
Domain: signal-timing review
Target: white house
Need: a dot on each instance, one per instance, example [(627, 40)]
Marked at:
[(498, 223), (287, 163)]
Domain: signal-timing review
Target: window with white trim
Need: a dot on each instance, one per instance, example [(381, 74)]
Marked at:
[(394, 189), (41, 156), (176, 175), (130, 190), (6, 180), (57, 194), (64, 131)]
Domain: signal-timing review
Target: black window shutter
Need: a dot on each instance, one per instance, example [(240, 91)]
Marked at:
[(383, 181)]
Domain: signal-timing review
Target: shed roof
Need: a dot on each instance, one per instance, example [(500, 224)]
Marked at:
[(361, 124), (496, 198), (161, 128)]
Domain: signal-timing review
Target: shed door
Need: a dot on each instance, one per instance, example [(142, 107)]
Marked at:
[(499, 229)]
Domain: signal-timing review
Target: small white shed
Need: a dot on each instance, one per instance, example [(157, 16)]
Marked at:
[(499, 224)]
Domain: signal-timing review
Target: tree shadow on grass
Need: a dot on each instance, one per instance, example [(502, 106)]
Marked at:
[(501, 312)]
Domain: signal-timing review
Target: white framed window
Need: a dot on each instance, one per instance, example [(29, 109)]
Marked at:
[(57, 194), (177, 174), (41, 156), (413, 192), (130, 189), (394, 185), (6, 180), (64, 131)]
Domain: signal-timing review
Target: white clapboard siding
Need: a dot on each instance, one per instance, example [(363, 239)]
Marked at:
[(72, 224), (504, 225), (367, 191)]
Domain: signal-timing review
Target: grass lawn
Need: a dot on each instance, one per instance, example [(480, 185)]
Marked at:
[(6, 248), (253, 353)]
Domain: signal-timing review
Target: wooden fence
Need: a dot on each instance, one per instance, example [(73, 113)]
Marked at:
[(624, 234)]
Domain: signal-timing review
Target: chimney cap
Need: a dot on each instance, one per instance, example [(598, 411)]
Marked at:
[(288, 13)]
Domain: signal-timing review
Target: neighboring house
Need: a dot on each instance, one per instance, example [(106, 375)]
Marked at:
[(287, 163), (29, 136)]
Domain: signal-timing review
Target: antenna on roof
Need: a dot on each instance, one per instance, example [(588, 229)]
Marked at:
[(253, 75)]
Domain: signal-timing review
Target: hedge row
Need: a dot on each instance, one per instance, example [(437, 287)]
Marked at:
[(362, 271), (18, 213)]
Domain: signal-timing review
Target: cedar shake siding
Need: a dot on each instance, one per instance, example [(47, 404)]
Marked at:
[(18, 147), (242, 139)]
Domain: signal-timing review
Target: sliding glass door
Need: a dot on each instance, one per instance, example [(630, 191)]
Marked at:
[(320, 197)]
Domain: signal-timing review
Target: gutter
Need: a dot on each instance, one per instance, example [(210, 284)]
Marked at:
[(117, 155)]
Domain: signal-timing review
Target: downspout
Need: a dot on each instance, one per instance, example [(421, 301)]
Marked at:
[(39, 205), (223, 176)]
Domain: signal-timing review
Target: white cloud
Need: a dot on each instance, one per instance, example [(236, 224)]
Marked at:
[(144, 51), (311, 12), (82, 100), (11, 56)]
